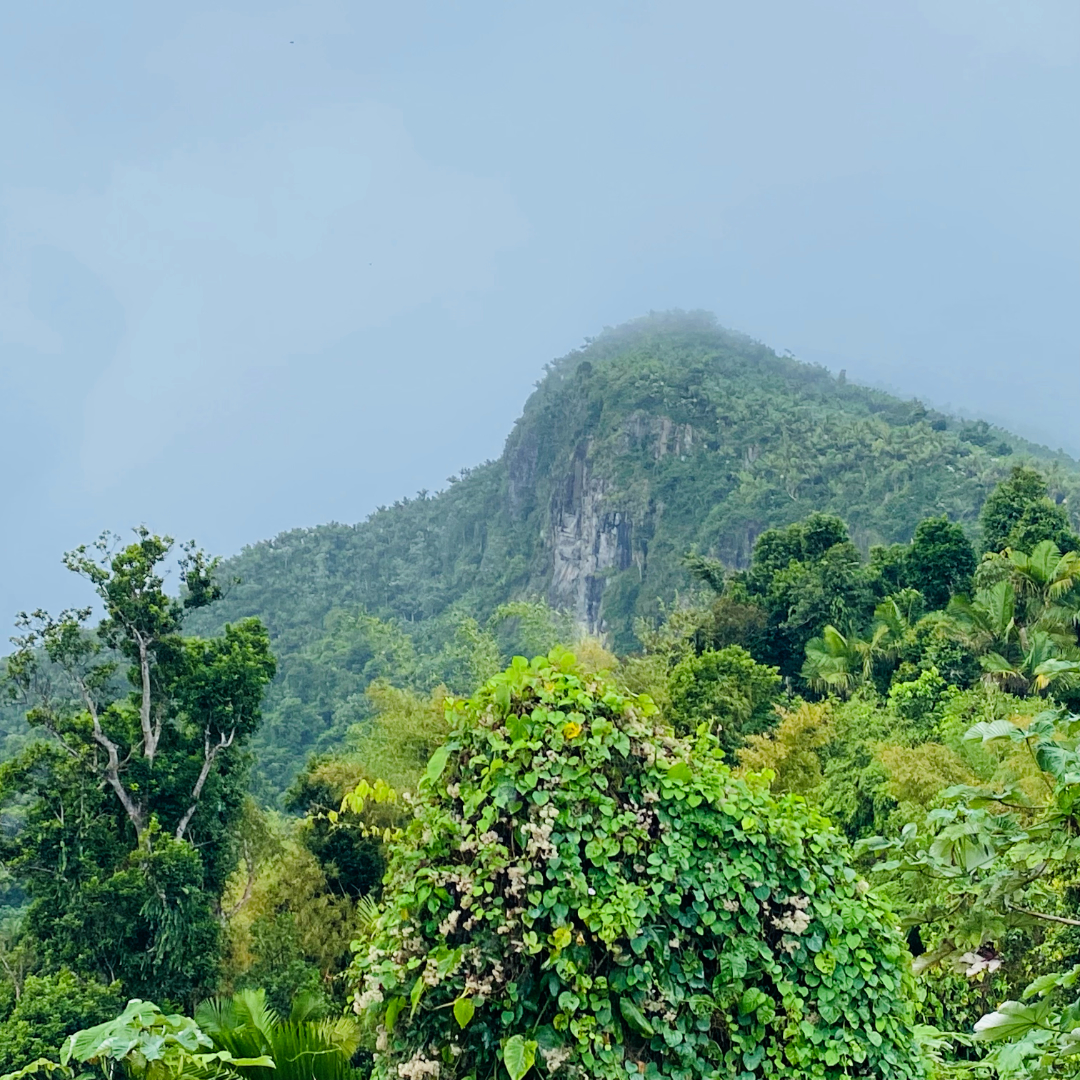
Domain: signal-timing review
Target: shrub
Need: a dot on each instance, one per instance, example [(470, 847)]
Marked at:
[(583, 894), (726, 688), (50, 1008)]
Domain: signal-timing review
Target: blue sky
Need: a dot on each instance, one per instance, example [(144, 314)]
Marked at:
[(265, 265)]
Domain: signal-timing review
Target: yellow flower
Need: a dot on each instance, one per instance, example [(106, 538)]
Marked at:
[(571, 729)]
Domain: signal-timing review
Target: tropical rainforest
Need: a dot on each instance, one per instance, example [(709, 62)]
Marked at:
[(726, 726)]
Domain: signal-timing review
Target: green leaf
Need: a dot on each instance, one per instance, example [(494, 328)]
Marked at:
[(417, 994), (519, 1056), (1052, 758), (1011, 1020), (437, 763), (464, 1009), (35, 1068), (680, 771), (262, 1062), (989, 730), (753, 1058), (392, 1010), (560, 937), (634, 1017)]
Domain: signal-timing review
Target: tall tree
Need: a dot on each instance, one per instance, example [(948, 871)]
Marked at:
[(940, 561), (126, 808), (1018, 513)]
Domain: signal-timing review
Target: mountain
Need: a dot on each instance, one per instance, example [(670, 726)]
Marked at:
[(664, 435)]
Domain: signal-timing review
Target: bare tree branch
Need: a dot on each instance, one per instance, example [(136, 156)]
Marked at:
[(1042, 915), (210, 751), (252, 871), (112, 769), (151, 733)]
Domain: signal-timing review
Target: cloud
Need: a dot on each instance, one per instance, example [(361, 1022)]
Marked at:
[(228, 257)]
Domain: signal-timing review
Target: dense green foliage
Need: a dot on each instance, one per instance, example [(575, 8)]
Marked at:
[(666, 435), (635, 862), (299, 1046), (1019, 513), (993, 866), (584, 892), (940, 562), (49, 1008), (725, 688), (118, 825)]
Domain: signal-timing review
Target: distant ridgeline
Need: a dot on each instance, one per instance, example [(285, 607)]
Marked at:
[(661, 436)]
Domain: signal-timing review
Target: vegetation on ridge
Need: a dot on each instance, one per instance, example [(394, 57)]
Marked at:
[(665, 435), (814, 814)]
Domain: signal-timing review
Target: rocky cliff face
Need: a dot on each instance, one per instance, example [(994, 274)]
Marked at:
[(587, 537), (593, 530), (659, 437)]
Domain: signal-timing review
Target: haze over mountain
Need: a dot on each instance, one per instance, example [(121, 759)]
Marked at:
[(264, 264)]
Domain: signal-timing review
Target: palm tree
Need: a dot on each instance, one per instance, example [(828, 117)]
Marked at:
[(1049, 583), (838, 663), (302, 1048), (1020, 656), (831, 663)]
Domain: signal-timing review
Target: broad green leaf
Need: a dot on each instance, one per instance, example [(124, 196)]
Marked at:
[(993, 661), (392, 1010), (1052, 758), (37, 1068), (519, 1056), (560, 937), (1011, 1019), (464, 1009), (988, 730), (417, 993), (437, 763), (680, 771), (634, 1017), (1045, 983)]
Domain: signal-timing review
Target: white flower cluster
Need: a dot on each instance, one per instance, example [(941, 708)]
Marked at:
[(459, 879), (659, 1005), (517, 879), (417, 1067), (411, 944), (555, 1059), (372, 996), (643, 818), (482, 986), (430, 974), (797, 920), (449, 924), (539, 845), (972, 964)]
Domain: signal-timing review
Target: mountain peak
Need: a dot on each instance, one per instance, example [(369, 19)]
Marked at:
[(665, 434)]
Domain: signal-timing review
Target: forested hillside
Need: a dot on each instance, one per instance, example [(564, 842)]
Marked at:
[(817, 816), (665, 435)]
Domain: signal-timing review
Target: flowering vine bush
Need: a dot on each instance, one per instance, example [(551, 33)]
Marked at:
[(582, 894)]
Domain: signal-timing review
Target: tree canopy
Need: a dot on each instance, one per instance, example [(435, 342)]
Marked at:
[(582, 890), (120, 822)]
